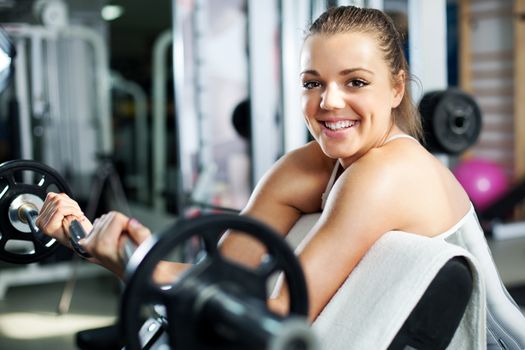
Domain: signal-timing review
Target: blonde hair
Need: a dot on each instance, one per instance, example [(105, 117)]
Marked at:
[(345, 19)]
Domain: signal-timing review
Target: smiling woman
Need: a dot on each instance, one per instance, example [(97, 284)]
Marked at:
[(356, 77), (366, 173), (370, 66)]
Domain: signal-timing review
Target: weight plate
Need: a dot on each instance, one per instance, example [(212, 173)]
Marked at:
[(25, 182), (212, 273), (451, 121)]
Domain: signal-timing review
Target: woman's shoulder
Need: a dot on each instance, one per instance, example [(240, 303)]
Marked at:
[(306, 167), (400, 157), (418, 190), (392, 171), (378, 161), (298, 178), (308, 157)]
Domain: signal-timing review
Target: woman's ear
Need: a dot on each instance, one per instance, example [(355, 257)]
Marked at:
[(398, 89)]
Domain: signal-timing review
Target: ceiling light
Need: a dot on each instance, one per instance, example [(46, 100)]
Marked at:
[(5, 60), (111, 12)]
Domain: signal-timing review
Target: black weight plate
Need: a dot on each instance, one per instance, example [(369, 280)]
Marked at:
[(427, 106), (213, 269), (457, 121), (451, 120), (18, 177)]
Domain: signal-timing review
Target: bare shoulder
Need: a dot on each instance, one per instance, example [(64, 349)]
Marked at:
[(309, 157), (373, 182), (299, 177), (399, 167), (293, 186), (407, 186)]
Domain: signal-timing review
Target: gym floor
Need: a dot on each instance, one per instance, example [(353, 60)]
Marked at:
[(29, 319)]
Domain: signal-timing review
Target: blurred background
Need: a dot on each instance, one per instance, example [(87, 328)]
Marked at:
[(165, 109)]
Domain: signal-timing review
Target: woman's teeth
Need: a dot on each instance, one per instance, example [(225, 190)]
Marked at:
[(342, 124)]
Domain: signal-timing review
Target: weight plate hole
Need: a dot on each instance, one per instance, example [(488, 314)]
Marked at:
[(4, 187), (189, 251), (20, 247), (460, 122), (53, 188), (29, 177), (274, 282), (257, 245)]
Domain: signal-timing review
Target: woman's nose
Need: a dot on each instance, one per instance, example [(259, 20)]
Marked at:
[(332, 98)]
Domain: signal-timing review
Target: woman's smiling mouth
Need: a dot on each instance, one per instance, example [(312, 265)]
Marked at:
[(340, 124)]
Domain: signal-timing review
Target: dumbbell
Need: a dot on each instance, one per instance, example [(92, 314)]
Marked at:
[(217, 305)]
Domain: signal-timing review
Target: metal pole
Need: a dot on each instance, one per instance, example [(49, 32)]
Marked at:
[(160, 47), (141, 136), (427, 45), (184, 116), (264, 85), (294, 19), (22, 95), (206, 168)]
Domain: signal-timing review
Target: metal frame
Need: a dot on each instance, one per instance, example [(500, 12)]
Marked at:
[(140, 179), (50, 97), (427, 45), (294, 17), (263, 86), (159, 101), (185, 121), (21, 86)]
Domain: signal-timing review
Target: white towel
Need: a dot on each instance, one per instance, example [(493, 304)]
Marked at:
[(379, 295)]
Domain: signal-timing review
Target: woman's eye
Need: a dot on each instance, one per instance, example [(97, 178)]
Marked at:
[(308, 85), (357, 83)]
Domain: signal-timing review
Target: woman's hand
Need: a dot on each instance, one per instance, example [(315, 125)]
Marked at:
[(55, 209), (105, 242), (105, 237)]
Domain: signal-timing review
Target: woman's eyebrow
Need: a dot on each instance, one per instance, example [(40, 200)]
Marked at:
[(343, 72), (309, 71), (352, 70)]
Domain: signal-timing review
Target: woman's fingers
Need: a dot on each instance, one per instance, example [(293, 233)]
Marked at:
[(137, 232), (55, 208), (135, 235), (104, 240)]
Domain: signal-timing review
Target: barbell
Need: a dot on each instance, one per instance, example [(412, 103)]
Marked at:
[(217, 304)]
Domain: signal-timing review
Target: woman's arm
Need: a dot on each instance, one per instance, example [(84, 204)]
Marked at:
[(291, 188), (361, 207)]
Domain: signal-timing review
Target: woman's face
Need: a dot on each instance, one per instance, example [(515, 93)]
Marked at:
[(348, 94)]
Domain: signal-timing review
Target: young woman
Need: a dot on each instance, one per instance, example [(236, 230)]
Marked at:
[(366, 170)]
